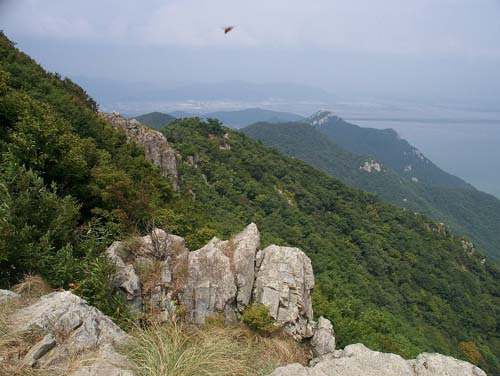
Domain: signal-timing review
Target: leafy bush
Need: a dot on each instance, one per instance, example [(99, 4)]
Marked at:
[(257, 317)]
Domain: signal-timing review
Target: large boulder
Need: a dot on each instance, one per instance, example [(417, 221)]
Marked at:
[(357, 360), (210, 286), (69, 327), (323, 340), (284, 282), (244, 248), (156, 147)]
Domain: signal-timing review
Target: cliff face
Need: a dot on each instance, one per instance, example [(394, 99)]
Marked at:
[(156, 147)]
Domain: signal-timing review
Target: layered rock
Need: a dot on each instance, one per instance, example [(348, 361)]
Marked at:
[(284, 282), (69, 328), (210, 287), (356, 360), (244, 248), (156, 147), (223, 277), (146, 268)]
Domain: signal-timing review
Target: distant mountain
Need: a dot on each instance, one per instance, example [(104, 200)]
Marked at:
[(155, 119), (387, 147), (242, 118), (467, 211)]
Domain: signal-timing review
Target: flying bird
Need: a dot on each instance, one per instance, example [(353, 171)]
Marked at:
[(227, 29)]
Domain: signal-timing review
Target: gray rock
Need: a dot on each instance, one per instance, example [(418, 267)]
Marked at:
[(6, 295), (156, 147), (158, 254), (440, 365), (358, 360), (126, 279), (160, 245), (210, 287), (284, 282), (76, 326), (323, 340), (245, 246), (106, 363), (41, 348)]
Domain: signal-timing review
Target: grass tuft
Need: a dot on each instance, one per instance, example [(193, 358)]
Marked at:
[(178, 349), (32, 286)]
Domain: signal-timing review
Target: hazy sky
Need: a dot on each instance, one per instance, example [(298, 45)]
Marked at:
[(446, 49)]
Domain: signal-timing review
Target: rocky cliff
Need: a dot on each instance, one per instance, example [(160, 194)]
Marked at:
[(158, 275), (156, 147)]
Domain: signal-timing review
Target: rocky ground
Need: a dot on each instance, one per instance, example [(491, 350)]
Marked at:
[(159, 276)]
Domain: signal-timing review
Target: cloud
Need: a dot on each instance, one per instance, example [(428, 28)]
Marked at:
[(410, 27)]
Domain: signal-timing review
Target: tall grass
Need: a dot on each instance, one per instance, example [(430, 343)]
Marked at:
[(177, 349)]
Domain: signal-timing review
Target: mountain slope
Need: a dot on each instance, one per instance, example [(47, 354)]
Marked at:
[(156, 120), (383, 273), (469, 212), (242, 118), (387, 147), (70, 184)]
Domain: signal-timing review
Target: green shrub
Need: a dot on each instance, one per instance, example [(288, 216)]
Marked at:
[(257, 317)]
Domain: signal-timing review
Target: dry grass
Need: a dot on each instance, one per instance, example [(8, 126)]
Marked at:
[(15, 344), (32, 286), (130, 248), (176, 349)]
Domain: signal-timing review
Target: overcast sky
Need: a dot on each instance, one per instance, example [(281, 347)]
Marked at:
[(446, 49)]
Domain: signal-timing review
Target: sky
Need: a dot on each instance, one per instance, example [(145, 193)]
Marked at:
[(383, 58), (445, 50)]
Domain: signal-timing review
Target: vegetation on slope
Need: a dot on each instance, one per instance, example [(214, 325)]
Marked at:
[(468, 212), (387, 147), (386, 277), (70, 184), (156, 120)]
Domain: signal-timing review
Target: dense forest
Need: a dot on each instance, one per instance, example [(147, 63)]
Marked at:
[(70, 184), (155, 120), (467, 211)]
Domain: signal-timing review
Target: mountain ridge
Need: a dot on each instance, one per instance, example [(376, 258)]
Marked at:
[(468, 211)]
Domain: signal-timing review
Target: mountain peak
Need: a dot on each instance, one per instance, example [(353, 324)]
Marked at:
[(322, 116)]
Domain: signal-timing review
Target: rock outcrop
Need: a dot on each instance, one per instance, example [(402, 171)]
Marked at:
[(145, 270), (357, 360), (284, 282), (69, 329), (223, 277), (210, 286), (156, 147), (244, 248)]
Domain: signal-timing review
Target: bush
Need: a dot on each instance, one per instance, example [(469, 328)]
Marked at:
[(471, 352), (257, 317)]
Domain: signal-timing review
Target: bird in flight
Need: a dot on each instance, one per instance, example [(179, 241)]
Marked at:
[(227, 29)]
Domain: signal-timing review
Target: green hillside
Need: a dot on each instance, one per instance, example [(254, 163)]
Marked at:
[(70, 185), (468, 212), (387, 147), (242, 118), (155, 120)]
